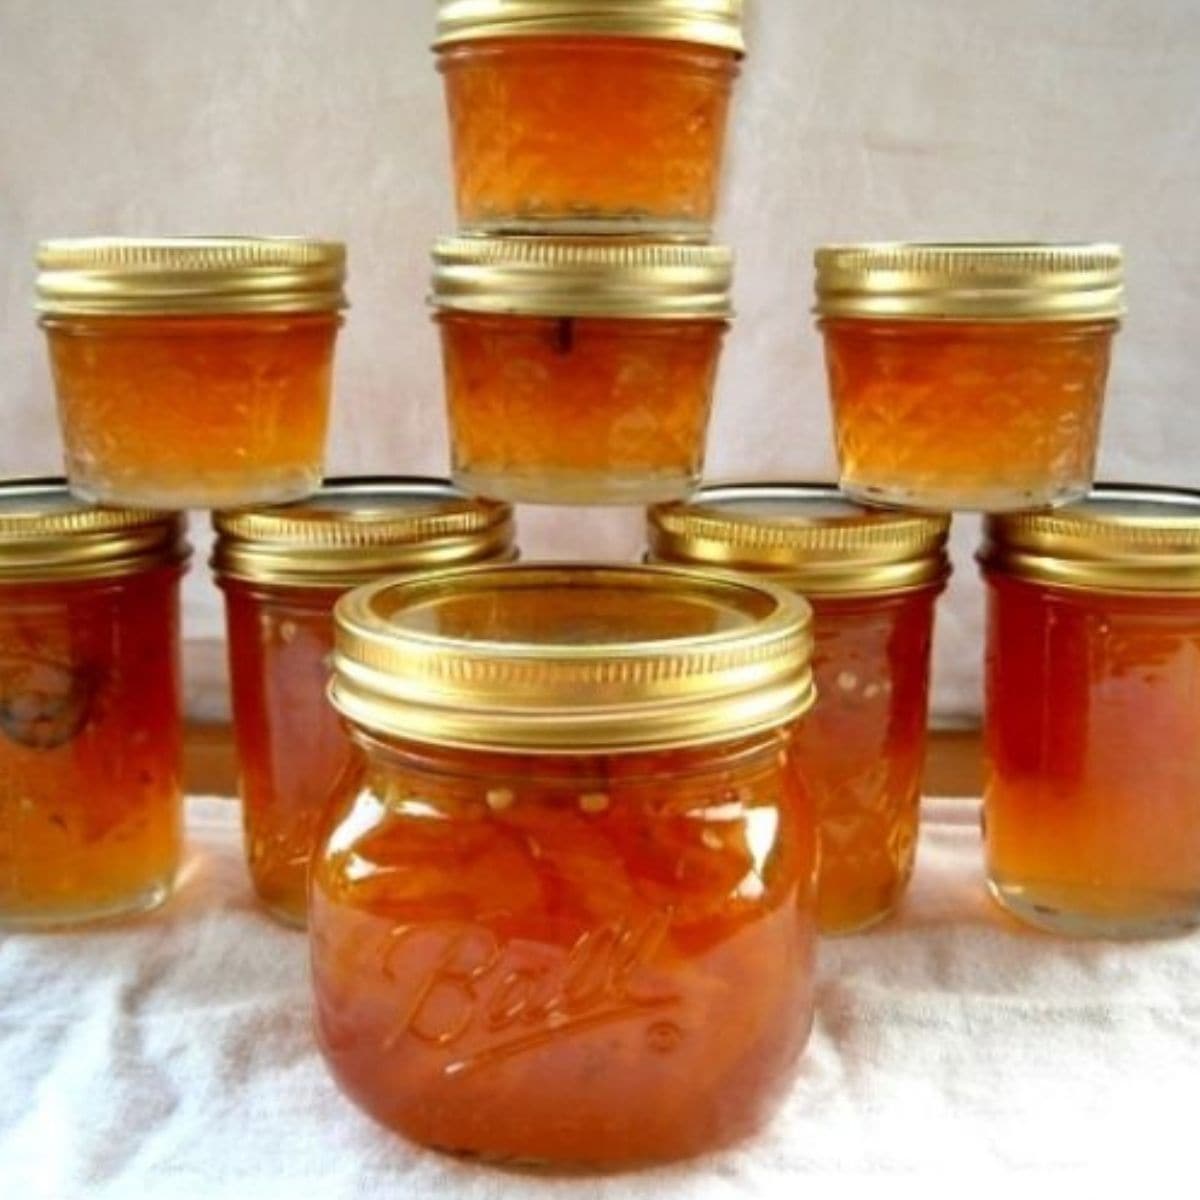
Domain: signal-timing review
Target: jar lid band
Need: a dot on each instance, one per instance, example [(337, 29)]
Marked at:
[(572, 658), (704, 22), (1122, 538), (970, 281), (806, 535), (582, 277), (189, 276)]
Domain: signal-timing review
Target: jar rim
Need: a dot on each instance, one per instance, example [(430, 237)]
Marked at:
[(802, 534), (49, 535), (357, 528), (1123, 537), (568, 658)]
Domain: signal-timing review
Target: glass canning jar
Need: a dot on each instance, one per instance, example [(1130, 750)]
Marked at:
[(968, 376), (192, 372), (567, 917), (872, 578), (282, 569), (588, 116), (579, 371), (91, 737), (1092, 731)]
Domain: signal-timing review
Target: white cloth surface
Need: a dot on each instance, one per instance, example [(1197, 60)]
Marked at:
[(172, 1056)]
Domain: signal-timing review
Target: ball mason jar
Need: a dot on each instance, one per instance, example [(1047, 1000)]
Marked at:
[(872, 578), (568, 916), (1092, 726), (192, 372), (579, 371), (588, 116), (968, 376), (282, 569), (91, 732)]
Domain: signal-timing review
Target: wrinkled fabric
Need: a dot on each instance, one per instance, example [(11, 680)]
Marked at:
[(172, 1055)]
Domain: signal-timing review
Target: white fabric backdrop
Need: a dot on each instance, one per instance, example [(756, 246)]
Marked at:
[(855, 119)]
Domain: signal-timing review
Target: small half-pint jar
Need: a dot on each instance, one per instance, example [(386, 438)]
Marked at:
[(967, 376), (282, 569), (588, 116), (91, 733), (1092, 732), (579, 371), (872, 578), (192, 372), (567, 918)]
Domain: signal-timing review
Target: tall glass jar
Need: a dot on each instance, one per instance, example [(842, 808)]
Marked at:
[(91, 739), (872, 578), (588, 116), (282, 569), (568, 916), (968, 376), (192, 372), (579, 371), (1092, 732)]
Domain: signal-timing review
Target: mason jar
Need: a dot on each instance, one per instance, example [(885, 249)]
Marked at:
[(968, 376), (588, 116), (91, 732), (568, 917), (282, 569), (579, 371), (872, 578), (1092, 726), (192, 372)]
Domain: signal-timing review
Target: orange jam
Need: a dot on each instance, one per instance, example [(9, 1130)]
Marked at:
[(282, 570), (90, 723), (557, 399), (152, 341), (592, 952), (968, 377), (1092, 803), (872, 578), (587, 134)]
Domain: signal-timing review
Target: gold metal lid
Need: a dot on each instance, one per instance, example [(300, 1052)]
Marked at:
[(189, 276), (582, 277), (47, 535), (707, 22), (357, 529), (1122, 538), (805, 535), (576, 658), (970, 281)]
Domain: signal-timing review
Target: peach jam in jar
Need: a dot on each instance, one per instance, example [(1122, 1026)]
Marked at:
[(968, 376), (567, 917), (1092, 731), (579, 371), (91, 736), (588, 116), (192, 372), (872, 578), (282, 569)]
